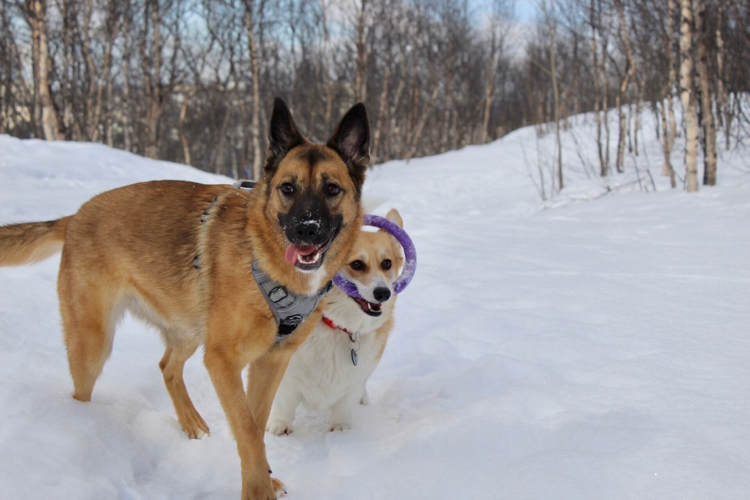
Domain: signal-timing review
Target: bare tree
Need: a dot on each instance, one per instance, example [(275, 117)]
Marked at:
[(596, 29), (629, 74), (498, 32), (687, 94), (14, 93), (669, 125), (250, 25), (45, 117), (721, 96), (550, 18), (360, 79), (706, 102)]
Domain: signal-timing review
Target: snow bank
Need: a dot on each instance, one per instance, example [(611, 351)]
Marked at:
[(590, 350)]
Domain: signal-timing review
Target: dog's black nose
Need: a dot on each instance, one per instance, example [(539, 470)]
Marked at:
[(381, 294), (307, 230)]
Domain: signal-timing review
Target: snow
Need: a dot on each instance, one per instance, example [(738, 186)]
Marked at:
[(590, 346)]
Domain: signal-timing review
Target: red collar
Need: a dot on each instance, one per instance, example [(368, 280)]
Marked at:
[(334, 326)]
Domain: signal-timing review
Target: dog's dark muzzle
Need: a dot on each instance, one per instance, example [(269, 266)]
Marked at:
[(315, 231), (308, 231), (309, 221)]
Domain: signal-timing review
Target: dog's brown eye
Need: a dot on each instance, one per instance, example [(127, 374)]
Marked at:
[(332, 190), (357, 265), (287, 188), (386, 264)]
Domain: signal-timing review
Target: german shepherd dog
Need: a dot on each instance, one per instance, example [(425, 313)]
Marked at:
[(181, 255)]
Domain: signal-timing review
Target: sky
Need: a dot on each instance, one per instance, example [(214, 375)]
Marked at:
[(525, 11)]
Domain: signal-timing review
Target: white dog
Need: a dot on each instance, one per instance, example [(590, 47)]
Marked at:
[(331, 368)]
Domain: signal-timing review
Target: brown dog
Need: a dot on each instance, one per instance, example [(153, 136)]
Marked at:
[(182, 256)]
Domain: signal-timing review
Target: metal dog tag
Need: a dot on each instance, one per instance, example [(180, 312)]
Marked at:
[(354, 338)]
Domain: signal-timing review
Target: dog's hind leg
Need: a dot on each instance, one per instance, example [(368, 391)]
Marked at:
[(88, 326), (171, 365)]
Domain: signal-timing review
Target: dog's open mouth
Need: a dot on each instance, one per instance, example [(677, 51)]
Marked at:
[(369, 307), (306, 257)]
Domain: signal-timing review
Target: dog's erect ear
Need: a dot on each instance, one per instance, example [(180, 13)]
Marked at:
[(352, 142), (395, 217), (282, 136)]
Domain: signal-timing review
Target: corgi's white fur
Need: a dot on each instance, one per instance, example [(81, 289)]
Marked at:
[(321, 374)]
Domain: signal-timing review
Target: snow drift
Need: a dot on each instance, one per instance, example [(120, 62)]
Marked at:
[(591, 346)]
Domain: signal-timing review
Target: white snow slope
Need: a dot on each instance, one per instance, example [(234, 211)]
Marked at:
[(591, 347)]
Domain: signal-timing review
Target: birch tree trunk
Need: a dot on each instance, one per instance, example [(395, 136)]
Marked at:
[(673, 83), (255, 68), (97, 80), (668, 120), (605, 105), (414, 141), (91, 128), (597, 87), (575, 87), (181, 124), (152, 76), (551, 21), (393, 130), (109, 118), (45, 114), (382, 110), (447, 108), (489, 86), (126, 91), (687, 94), (8, 118), (326, 70), (720, 90), (666, 138), (360, 82), (624, 85), (69, 117), (706, 104)]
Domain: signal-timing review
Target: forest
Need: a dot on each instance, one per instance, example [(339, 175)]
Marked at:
[(192, 81)]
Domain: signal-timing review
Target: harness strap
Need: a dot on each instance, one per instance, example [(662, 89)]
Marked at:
[(289, 309)]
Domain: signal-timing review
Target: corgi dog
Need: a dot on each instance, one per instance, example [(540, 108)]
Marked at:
[(330, 369)]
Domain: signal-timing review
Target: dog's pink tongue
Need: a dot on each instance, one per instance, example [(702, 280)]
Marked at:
[(293, 251)]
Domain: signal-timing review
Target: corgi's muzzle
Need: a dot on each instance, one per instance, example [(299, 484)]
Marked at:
[(381, 294)]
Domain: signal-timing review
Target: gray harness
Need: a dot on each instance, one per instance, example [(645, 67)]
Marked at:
[(289, 309)]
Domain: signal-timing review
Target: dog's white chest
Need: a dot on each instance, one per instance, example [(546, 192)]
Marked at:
[(322, 368)]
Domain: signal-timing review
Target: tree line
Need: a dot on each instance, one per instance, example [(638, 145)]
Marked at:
[(192, 80)]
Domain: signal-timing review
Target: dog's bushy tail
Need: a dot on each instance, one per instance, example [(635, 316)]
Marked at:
[(31, 242)]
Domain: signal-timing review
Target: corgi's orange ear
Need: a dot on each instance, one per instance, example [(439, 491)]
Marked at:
[(395, 217)]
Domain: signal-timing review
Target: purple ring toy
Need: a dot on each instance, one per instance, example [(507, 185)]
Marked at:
[(410, 255)]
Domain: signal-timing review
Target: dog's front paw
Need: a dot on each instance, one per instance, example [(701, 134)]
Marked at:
[(258, 487), (279, 427), (192, 423), (340, 427)]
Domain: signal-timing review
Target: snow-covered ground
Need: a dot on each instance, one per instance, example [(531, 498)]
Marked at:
[(593, 346)]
